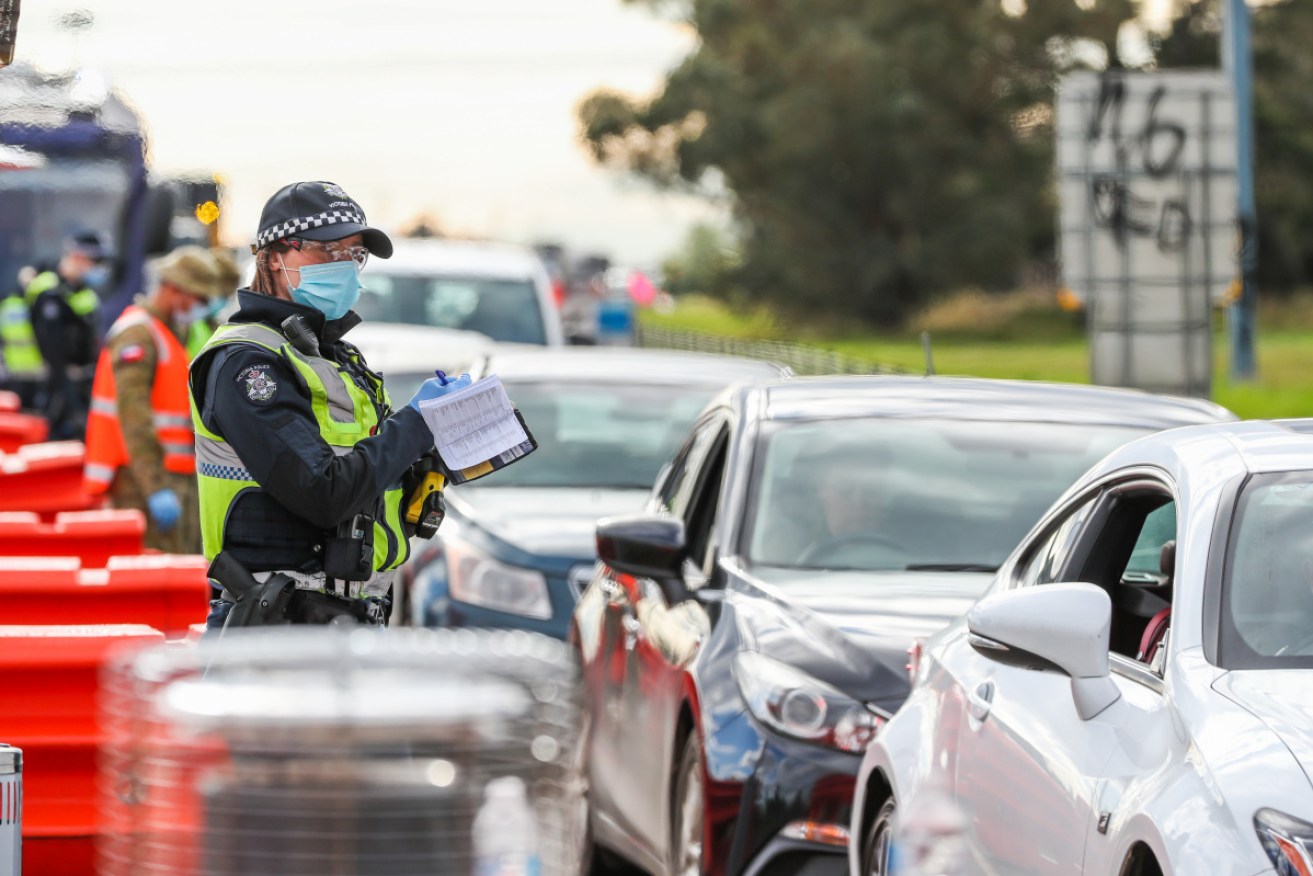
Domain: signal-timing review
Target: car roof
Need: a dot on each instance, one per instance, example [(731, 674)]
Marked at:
[(397, 348), (459, 258), (524, 363), (979, 399), (1255, 445)]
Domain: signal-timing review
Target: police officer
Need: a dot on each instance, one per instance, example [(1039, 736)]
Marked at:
[(300, 455), (139, 430), (65, 317)]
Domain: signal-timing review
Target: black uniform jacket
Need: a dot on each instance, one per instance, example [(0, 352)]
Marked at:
[(253, 399)]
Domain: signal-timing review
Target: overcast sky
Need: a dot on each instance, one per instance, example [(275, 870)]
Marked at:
[(460, 108)]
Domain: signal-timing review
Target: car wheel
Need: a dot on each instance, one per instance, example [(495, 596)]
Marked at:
[(877, 849), (689, 804)]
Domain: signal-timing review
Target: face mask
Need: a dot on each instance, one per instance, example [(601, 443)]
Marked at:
[(193, 314), (331, 288), (215, 307), (95, 275)]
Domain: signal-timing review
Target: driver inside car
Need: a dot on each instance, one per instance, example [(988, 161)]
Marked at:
[(852, 515)]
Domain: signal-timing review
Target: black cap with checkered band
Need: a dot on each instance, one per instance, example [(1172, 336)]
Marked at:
[(317, 211)]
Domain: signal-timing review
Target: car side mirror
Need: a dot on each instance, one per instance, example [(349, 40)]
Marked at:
[(648, 547), (1055, 627)]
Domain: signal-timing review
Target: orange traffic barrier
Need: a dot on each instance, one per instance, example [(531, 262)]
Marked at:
[(169, 592), (44, 477), (18, 430), (50, 677), (92, 536)]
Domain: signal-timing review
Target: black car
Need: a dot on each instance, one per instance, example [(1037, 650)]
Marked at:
[(744, 639), (517, 546)]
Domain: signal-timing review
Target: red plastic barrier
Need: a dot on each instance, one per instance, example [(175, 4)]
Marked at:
[(169, 592), (92, 536), (18, 430), (44, 477), (50, 677)]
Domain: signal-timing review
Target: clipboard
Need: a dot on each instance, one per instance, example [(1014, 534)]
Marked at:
[(477, 430)]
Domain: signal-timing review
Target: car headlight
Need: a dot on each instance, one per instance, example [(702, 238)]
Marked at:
[(1287, 841), (478, 579), (797, 705)]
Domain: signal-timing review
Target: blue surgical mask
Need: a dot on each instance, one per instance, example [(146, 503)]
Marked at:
[(193, 314), (331, 288), (96, 275)]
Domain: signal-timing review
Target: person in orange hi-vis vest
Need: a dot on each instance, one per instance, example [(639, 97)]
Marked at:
[(140, 443)]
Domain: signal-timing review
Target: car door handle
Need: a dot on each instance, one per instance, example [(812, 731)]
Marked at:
[(980, 700), (632, 626)]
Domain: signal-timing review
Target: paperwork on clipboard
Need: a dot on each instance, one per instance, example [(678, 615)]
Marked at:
[(476, 429)]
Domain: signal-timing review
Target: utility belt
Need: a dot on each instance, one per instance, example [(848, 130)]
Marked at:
[(277, 600)]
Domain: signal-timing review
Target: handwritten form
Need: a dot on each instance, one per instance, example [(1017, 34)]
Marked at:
[(475, 425)]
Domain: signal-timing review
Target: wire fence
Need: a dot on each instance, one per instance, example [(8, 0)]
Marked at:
[(802, 359)]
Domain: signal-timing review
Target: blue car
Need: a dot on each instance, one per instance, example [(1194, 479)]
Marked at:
[(518, 546)]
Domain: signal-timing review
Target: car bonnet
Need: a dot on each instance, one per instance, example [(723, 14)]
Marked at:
[(1280, 699)]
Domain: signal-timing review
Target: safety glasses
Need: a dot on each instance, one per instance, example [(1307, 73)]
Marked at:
[(332, 250)]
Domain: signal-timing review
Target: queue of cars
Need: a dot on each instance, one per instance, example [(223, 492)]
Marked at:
[(744, 639), (1119, 688)]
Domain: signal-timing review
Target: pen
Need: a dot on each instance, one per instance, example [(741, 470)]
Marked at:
[(442, 378)]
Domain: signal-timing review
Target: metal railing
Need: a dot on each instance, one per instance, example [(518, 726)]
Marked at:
[(802, 359)]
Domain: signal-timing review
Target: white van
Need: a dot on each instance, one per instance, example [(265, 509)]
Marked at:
[(495, 289)]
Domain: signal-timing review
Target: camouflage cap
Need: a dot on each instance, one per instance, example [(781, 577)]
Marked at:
[(191, 269), (227, 274)]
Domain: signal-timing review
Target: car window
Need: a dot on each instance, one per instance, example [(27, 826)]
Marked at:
[(1122, 552), (1045, 560), (700, 518), (676, 492), (1158, 529), (886, 493), (1267, 595), (502, 309)]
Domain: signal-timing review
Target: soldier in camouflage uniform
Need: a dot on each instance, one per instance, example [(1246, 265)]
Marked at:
[(143, 399)]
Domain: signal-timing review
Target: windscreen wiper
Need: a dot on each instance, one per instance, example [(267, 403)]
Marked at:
[(950, 567)]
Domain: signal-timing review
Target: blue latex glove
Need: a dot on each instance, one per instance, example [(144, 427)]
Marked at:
[(165, 509), (436, 386)]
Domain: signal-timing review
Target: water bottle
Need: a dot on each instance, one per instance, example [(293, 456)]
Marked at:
[(505, 831)]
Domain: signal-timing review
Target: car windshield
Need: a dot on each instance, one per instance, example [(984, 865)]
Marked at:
[(1268, 588), (502, 309), (883, 493), (605, 435)]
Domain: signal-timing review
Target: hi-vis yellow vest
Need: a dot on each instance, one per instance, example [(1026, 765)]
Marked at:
[(21, 357), (345, 414)]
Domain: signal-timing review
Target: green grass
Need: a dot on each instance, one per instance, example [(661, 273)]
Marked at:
[(1034, 341)]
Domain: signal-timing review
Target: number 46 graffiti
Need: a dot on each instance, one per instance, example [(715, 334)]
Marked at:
[(1158, 146)]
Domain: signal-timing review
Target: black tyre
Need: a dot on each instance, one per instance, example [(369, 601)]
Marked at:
[(688, 805), (878, 842)]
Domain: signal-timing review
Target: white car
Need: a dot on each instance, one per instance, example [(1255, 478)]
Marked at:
[(1134, 695), (407, 355), (498, 290)]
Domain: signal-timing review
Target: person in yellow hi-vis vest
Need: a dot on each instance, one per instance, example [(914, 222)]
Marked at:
[(52, 333), (140, 444), (301, 460)]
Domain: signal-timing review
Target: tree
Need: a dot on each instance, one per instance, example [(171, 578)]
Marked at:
[(705, 264), (874, 152), (1283, 122)]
